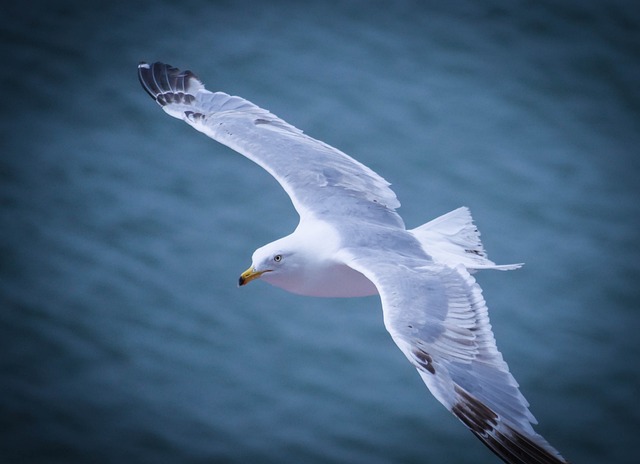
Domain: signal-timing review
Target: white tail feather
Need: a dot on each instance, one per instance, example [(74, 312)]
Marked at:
[(453, 239)]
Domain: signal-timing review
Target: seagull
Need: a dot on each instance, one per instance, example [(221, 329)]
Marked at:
[(351, 242)]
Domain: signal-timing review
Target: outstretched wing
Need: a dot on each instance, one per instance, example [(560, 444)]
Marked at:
[(438, 318), (317, 177)]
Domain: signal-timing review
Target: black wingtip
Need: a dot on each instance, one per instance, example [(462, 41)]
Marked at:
[(164, 82), (144, 76), (512, 446)]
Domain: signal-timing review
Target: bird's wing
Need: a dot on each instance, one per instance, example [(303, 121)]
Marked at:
[(438, 318), (317, 177)]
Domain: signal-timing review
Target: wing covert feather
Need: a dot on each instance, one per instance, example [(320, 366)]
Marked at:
[(317, 177), (438, 318)]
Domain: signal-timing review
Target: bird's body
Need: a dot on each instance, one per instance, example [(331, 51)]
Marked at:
[(351, 242), (311, 271)]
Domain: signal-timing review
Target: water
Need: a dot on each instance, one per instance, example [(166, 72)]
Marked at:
[(123, 335)]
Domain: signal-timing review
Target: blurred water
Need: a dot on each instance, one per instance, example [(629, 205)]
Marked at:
[(122, 333)]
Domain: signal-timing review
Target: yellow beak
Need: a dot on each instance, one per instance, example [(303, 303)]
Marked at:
[(249, 275)]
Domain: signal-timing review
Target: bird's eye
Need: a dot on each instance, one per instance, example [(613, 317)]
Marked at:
[(277, 258)]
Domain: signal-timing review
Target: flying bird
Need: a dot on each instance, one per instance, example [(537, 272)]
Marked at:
[(351, 242)]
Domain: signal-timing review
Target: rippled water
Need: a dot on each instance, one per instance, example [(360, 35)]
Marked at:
[(123, 335)]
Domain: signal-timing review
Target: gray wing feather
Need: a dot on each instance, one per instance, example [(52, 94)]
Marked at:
[(438, 318), (317, 177)]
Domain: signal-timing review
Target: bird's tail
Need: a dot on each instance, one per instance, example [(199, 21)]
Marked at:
[(454, 239)]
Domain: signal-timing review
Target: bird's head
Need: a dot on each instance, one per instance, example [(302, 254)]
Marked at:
[(277, 263)]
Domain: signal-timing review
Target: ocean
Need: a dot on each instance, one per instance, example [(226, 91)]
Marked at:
[(123, 334)]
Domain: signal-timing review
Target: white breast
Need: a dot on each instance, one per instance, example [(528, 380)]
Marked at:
[(338, 281), (312, 267)]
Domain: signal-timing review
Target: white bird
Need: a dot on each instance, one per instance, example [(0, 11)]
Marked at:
[(351, 242)]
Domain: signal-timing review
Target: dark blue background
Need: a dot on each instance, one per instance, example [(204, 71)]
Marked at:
[(123, 337)]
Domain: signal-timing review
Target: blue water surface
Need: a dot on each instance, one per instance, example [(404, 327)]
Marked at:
[(123, 335)]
